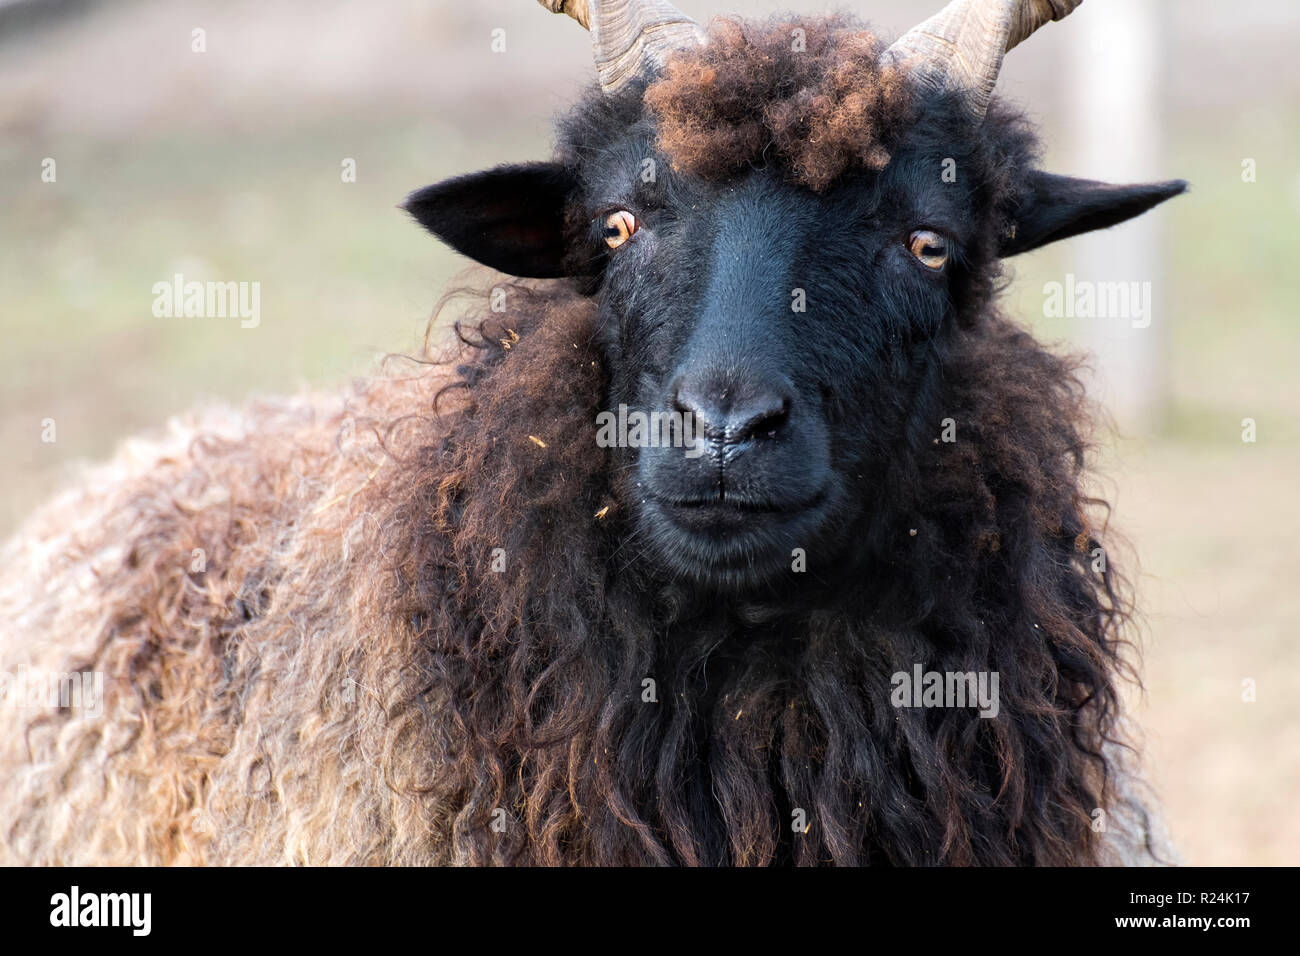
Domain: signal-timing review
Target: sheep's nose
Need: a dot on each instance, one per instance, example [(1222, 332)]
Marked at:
[(732, 412)]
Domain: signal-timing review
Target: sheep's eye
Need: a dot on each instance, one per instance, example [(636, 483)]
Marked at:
[(619, 227), (929, 247)]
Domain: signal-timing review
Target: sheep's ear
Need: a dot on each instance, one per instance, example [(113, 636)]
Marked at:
[(1057, 207), (510, 218)]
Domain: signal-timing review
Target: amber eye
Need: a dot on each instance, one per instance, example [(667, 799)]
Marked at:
[(929, 247), (619, 227)]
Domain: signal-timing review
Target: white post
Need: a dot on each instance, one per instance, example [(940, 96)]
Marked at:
[(1112, 79)]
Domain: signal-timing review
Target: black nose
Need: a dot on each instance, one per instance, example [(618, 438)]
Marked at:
[(732, 411)]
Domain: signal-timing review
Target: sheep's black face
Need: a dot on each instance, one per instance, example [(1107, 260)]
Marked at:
[(771, 347), (774, 335)]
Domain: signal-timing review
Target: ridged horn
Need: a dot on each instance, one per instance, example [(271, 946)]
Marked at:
[(961, 47), (631, 38)]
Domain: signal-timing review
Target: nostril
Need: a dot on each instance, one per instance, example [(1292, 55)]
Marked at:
[(680, 402), (760, 419), (707, 419)]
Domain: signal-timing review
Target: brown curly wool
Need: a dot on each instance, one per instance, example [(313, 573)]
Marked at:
[(348, 677), (246, 584), (807, 93)]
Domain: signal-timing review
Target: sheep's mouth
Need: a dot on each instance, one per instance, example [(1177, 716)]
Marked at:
[(723, 503), (732, 542), (723, 506)]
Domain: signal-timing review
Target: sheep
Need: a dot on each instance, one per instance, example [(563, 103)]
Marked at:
[(432, 621)]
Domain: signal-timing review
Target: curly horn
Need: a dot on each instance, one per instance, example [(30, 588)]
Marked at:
[(961, 47), (631, 38)]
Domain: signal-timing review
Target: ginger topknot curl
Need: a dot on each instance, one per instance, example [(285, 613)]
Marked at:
[(809, 94)]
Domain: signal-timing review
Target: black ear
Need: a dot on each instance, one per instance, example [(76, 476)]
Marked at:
[(510, 218), (1057, 207)]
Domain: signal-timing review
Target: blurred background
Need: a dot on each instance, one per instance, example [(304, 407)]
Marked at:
[(230, 163)]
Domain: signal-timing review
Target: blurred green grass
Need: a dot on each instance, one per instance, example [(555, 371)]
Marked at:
[(345, 275), (1231, 325)]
